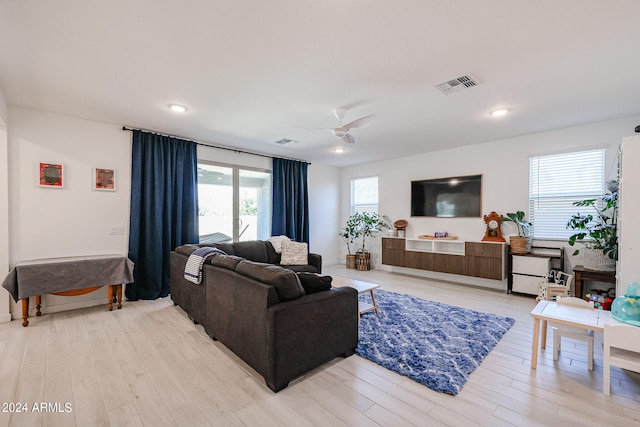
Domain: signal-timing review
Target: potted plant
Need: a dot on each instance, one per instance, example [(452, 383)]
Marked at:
[(598, 232), (349, 233), (520, 244), (369, 224)]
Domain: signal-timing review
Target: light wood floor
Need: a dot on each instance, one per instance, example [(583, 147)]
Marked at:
[(147, 364)]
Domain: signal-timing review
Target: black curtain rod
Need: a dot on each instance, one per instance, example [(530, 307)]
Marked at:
[(235, 150)]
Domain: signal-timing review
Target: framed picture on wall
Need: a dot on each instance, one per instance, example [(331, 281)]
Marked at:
[(104, 179), (51, 175)]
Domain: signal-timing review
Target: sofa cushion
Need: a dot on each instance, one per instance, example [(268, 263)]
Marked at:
[(276, 241), (313, 283), (294, 253), (187, 249), (301, 268), (253, 250), (273, 257), (225, 247), (285, 281), (230, 262)]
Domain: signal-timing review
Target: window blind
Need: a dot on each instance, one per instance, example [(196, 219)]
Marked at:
[(364, 195), (555, 182)]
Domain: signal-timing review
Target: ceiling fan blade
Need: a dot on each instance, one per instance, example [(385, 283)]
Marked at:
[(348, 138), (358, 123)]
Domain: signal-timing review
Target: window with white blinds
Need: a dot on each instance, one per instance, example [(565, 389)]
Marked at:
[(555, 182), (364, 195)]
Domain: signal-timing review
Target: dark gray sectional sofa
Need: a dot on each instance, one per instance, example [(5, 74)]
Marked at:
[(261, 312)]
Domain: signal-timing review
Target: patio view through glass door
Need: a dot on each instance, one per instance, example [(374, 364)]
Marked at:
[(234, 203)]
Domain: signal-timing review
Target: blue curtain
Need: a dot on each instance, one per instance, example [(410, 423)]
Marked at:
[(164, 209), (290, 215)]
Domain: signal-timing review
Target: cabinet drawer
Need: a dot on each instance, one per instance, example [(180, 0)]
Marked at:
[(526, 284), (531, 265), (392, 243)]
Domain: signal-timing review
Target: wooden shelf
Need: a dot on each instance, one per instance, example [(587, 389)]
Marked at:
[(485, 260), (451, 247)]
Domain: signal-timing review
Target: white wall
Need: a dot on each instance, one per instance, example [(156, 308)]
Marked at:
[(5, 315), (324, 212), (504, 165), (629, 204), (74, 220)]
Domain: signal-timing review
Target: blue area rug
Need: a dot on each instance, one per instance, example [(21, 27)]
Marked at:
[(435, 344)]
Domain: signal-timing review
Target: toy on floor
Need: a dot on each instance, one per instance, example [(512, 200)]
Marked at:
[(601, 300)]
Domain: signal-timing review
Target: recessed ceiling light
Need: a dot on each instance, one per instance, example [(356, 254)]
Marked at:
[(177, 108), (499, 112), (339, 150)]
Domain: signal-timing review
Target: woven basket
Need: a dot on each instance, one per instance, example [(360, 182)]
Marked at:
[(520, 244), (351, 261), (595, 259), (363, 260)]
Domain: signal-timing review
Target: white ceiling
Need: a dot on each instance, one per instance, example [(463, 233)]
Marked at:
[(253, 72)]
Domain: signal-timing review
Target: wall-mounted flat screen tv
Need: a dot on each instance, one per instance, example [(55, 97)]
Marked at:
[(458, 196)]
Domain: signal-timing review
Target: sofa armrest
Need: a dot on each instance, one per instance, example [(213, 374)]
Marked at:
[(309, 331), (316, 261)]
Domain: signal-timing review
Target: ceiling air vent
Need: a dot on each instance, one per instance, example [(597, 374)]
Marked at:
[(457, 84), (286, 141)]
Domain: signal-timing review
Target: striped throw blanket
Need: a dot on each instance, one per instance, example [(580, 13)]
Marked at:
[(193, 269)]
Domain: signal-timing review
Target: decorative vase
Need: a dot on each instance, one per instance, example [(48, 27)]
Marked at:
[(351, 261), (595, 259), (363, 260), (520, 245)]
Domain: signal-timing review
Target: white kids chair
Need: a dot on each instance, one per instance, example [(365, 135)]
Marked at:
[(574, 333), (621, 349), (562, 285)]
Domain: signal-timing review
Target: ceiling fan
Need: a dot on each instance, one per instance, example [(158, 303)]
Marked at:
[(342, 131)]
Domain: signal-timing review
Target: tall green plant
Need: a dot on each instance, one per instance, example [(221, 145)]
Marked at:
[(363, 224), (597, 230), (351, 231), (371, 223)]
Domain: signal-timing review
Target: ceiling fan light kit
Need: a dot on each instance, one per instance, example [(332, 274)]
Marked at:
[(343, 130)]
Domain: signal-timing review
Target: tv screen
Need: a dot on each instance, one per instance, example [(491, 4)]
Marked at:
[(458, 196)]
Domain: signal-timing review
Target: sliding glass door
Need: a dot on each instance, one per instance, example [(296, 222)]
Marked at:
[(234, 203)]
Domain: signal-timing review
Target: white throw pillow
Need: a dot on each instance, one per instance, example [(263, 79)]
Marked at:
[(276, 241), (294, 253)]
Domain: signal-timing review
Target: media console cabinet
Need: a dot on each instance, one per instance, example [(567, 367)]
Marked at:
[(486, 260)]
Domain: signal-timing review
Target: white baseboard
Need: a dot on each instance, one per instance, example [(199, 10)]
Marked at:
[(5, 318)]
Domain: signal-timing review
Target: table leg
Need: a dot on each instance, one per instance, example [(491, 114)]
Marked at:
[(110, 296), (543, 344), (534, 343), (119, 294), (578, 284), (25, 312), (373, 298), (38, 305)]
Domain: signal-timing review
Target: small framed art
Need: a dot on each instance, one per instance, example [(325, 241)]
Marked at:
[(51, 175), (104, 179)]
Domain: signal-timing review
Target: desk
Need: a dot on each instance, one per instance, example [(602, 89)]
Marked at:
[(67, 276), (583, 274), (550, 311)]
